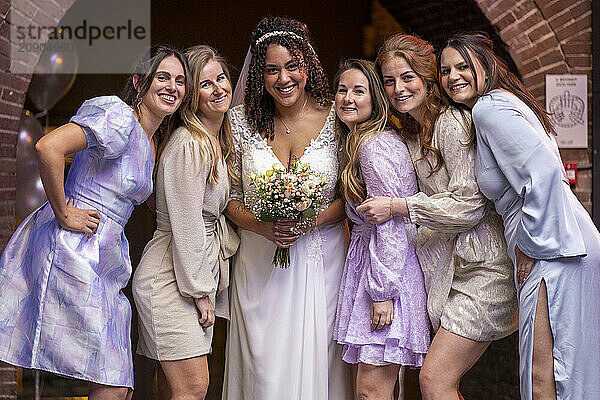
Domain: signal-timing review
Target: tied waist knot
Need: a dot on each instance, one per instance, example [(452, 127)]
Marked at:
[(227, 240), (359, 239)]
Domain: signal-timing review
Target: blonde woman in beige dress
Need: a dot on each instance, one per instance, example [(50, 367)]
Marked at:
[(471, 297), (184, 269)]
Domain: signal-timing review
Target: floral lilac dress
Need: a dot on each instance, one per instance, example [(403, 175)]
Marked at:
[(381, 265), (61, 305)]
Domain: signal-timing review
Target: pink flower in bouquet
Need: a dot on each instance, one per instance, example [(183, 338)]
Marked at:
[(303, 205)]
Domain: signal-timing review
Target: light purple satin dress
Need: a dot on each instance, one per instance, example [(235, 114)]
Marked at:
[(382, 265), (61, 305)]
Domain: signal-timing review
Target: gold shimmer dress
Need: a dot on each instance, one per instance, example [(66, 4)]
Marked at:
[(460, 241)]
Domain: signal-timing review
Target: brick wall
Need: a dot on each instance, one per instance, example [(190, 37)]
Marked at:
[(550, 37), (13, 89)]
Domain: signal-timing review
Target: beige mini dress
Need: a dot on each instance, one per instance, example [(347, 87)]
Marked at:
[(187, 257), (460, 239)]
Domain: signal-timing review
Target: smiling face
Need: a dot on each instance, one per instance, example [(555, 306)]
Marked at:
[(457, 78), (214, 90), (167, 89), (285, 78), (353, 103), (405, 90)]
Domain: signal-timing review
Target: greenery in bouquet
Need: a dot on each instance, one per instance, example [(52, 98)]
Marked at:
[(294, 193)]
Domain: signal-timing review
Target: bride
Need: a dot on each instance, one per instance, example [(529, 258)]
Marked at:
[(280, 343)]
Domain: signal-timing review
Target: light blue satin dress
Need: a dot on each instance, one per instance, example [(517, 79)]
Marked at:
[(519, 168), (61, 305)]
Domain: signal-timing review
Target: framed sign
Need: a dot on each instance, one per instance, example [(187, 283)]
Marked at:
[(567, 101)]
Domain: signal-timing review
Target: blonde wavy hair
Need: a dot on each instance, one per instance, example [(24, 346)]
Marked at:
[(211, 149), (352, 184), (419, 54)]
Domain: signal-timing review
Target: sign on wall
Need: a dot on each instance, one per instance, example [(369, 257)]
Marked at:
[(566, 99)]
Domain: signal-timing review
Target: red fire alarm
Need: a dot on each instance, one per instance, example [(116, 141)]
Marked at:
[(571, 169)]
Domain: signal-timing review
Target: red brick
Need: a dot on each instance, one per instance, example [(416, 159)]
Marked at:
[(529, 67), (519, 42), (583, 37), (539, 93), (10, 109), (13, 96), (44, 19), (8, 137), (9, 123), (532, 20), (539, 48), (522, 9), (581, 61), (576, 48), (581, 8), (534, 80), (50, 8), (509, 33), (4, 62), (560, 20), (557, 69), (498, 8), (26, 8), (505, 21), (574, 28), (537, 33), (553, 57), (4, 7), (555, 8), (8, 194), (13, 81), (8, 181)]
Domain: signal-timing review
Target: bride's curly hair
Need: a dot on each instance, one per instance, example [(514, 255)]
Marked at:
[(294, 36)]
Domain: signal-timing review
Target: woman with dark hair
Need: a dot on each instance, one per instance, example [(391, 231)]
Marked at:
[(280, 342), (551, 238), (61, 275), (184, 267), (468, 276), (382, 315)]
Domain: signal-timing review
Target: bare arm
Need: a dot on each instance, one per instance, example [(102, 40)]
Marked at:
[(51, 151)]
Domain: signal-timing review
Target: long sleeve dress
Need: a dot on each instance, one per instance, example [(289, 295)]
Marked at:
[(468, 275), (280, 338), (187, 257), (382, 265), (520, 170), (61, 305)]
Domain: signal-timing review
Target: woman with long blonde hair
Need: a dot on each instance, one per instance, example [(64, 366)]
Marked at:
[(184, 268), (471, 299), (382, 315)]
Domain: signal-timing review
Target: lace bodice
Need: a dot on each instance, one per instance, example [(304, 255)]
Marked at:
[(255, 155)]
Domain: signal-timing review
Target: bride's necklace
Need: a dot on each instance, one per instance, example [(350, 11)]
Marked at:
[(288, 129)]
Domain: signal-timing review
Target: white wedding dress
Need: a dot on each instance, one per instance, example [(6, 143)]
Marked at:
[(280, 339)]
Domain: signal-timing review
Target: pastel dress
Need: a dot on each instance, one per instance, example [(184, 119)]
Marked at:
[(460, 245), (187, 257), (62, 308), (280, 338), (382, 265), (520, 169)]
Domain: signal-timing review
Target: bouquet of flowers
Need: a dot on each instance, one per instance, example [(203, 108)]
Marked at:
[(295, 193)]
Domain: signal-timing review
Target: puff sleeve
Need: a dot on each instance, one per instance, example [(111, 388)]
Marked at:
[(185, 175), (387, 170), (107, 123)]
